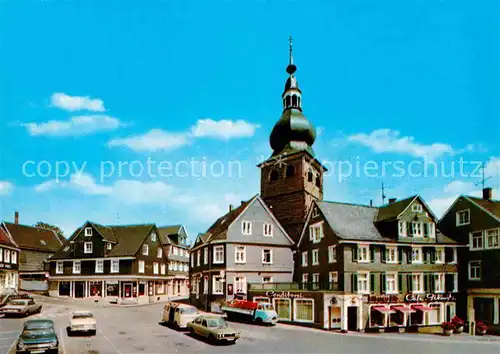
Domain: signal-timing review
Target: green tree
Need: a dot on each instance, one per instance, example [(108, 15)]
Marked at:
[(56, 229)]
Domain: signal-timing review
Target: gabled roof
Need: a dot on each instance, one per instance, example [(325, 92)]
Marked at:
[(171, 229), (392, 210), (167, 233), (5, 239), (34, 238), (129, 239), (491, 206)]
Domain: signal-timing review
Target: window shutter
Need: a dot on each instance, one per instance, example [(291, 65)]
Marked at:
[(400, 255), (409, 283), (426, 255), (354, 282), (400, 283), (372, 282), (426, 282), (383, 283), (432, 282), (310, 233), (409, 231), (372, 254), (354, 253), (449, 282), (433, 255), (408, 255), (383, 254), (448, 254)]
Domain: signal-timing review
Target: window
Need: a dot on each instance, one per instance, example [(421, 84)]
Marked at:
[(315, 257), (315, 212), (59, 267), (99, 266), (316, 233), (304, 259), (159, 253), (305, 277), (1, 255), (6, 256), (77, 267), (391, 254), (333, 277), (463, 217), (155, 268), (240, 254), (205, 284), (416, 255), (174, 250), (162, 269), (475, 270), (240, 285), (391, 283), (109, 246), (267, 256), (88, 231), (402, 228), (268, 230), (416, 208), (363, 283), (218, 254), (492, 239), (309, 176), (141, 266), (363, 254), (290, 171), (217, 285), (145, 250), (205, 255), (153, 237), (429, 229), (115, 266), (303, 310), (267, 279), (192, 259), (87, 247), (440, 254), (198, 258), (476, 241), (416, 228), (439, 282), (417, 283), (332, 254), (246, 227), (13, 257), (274, 176), (315, 281)]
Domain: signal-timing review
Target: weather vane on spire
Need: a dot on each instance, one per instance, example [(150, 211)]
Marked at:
[(291, 67), (290, 41)]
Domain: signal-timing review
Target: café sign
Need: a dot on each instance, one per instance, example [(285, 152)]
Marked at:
[(429, 297), (284, 294), (382, 299)]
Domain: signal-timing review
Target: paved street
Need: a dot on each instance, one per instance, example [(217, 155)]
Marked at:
[(137, 330)]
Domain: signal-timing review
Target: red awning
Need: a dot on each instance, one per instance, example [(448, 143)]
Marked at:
[(403, 309), (382, 309), (421, 308)]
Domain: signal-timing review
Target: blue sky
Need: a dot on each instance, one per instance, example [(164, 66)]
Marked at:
[(99, 82)]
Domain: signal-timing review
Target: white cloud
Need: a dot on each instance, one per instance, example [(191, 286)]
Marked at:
[(5, 187), (459, 187), (223, 129), (79, 125), (46, 186), (87, 184), (154, 140), (387, 140), (76, 103)]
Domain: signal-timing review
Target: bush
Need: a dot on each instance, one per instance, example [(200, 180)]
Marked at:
[(448, 326), (457, 321), (480, 326)]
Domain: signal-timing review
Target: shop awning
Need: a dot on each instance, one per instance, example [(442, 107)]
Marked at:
[(421, 308), (382, 309), (403, 309)]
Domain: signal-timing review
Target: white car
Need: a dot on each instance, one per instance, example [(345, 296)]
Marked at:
[(82, 321)]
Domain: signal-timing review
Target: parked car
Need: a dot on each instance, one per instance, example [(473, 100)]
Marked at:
[(214, 328), (83, 322), (38, 336), (178, 315), (21, 307), (250, 311)]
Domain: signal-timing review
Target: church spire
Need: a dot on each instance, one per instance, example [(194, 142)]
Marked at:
[(292, 95)]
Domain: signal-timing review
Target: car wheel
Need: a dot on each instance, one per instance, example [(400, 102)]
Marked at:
[(212, 338), (191, 331), (94, 332), (176, 325)]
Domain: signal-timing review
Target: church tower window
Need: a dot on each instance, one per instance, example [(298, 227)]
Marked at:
[(318, 181), (290, 171), (309, 176), (274, 176)]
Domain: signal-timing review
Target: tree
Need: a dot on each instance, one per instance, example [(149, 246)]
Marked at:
[(56, 229)]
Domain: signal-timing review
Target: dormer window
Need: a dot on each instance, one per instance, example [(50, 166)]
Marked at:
[(416, 208), (88, 231), (274, 176), (153, 237), (290, 171)]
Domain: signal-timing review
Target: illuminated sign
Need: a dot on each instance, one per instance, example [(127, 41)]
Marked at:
[(284, 294), (382, 299), (429, 297)]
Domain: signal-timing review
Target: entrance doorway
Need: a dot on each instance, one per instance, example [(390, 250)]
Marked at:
[(352, 318), (127, 290), (483, 309), (450, 312), (335, 317), (79, 289)]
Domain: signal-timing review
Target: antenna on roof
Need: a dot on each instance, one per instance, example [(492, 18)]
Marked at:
[(117, 218), (383, 192), (483, 178)]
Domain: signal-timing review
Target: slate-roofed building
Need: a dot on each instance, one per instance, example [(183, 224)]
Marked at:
[(36, 246), (245, 246), (475, 222), (116, 263)]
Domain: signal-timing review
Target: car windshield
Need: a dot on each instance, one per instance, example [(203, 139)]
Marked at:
[(82, 315), (216, 323), (189, 310), (18, 302), (38, 331)]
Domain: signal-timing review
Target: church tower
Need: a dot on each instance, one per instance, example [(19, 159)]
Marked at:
[(292, 177)]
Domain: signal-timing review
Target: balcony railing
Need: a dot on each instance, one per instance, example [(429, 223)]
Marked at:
[(322, 286)]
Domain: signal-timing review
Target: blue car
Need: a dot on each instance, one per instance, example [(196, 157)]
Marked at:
[(38, 336)]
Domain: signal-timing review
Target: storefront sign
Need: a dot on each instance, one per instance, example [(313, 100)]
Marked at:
[(283, 294), (5, 266), (429, 297), (382, 299)]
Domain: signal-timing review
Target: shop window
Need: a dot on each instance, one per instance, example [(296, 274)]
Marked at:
[(435, 314), (111, 288), (417, 318), (261, 299), (283, 308), (160, 288), (377, 318), (95, 288), (397, 318), (303, 310), (64, 288), (142, 289)]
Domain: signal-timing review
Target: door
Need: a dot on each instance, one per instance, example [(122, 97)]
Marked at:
[(450, 312), (335, 317), (127, 290), (483, 309), (352, 318), (79, 289)]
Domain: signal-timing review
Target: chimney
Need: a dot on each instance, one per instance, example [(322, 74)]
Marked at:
[(392, 200), (230, 207), (16, 218), (487, 193), (371, 202)]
